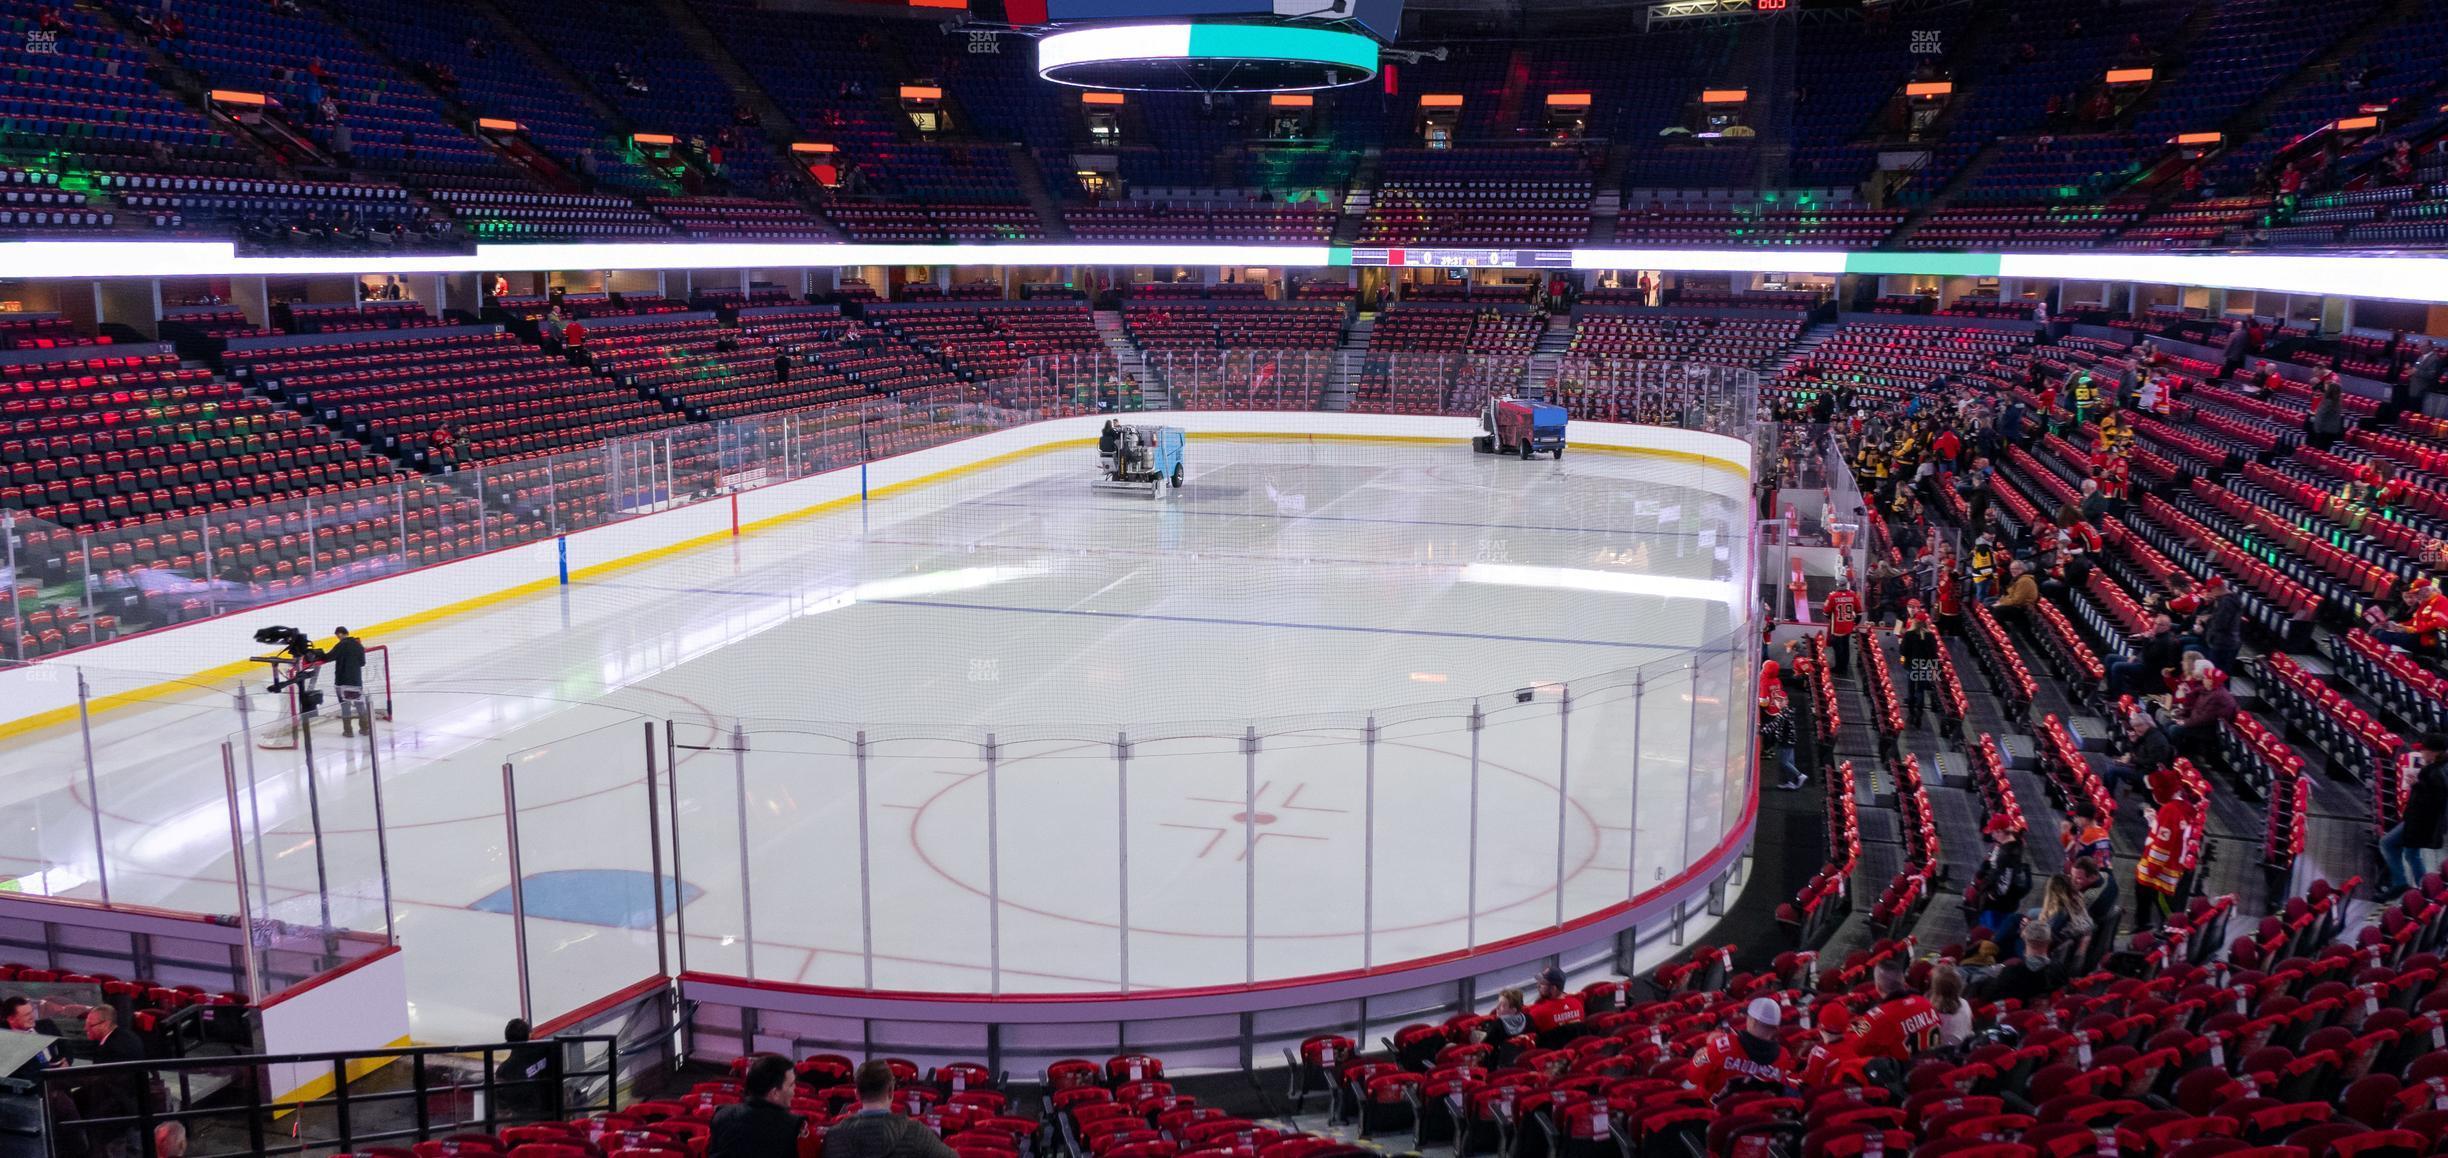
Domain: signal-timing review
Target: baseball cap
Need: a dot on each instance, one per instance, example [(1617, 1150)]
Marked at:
[(1551, 976), (1833, 1016), (1765, 1011)]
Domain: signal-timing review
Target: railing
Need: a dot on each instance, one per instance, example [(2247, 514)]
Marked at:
[(345, 1101)]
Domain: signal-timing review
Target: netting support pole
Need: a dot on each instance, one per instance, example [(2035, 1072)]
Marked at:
[(654, 855), (246, 908), (93, 786), (518, 889), (382, 830), (1471, 922), (739, 774), (866, 874), (671, 764), (1563, 791), (1368, 845), (1122, 755), (1632, 823), (994, 872), (1249, 853)]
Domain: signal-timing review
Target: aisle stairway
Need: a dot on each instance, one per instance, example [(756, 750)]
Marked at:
[(1350, 358), (1128, 360)]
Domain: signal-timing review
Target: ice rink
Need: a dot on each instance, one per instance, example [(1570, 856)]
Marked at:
[(1256, 693)]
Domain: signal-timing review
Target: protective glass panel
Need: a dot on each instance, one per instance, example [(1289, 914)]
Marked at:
[(1599, 756), (802, 789), (1661, 740), (933, 920), (1310, 847), (587, 847), (709, 817), (1421, 906), (1188, 900), (1705, 792), (1519, 755), (1058, 830)]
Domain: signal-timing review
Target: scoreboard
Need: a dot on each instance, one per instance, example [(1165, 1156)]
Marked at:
[(1379, 18), (1410, 258)]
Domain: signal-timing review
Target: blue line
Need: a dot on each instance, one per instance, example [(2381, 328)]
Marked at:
[(1175, 510), (690, 590), (1216, 621)]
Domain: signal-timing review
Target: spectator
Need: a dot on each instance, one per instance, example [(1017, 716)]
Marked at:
[(115, 1096), (1510, 1019), (526, 1070), (1947, 997), (1778, 727), (782, 368), (110, 1043), (2167, 856), (2142, 749), (2096, 880), (875, 1131), (2081, 834), (573, 336), (2150, 652), (2423, 381), (2021, 594), (2238, 345), (1750, 1060), (2420, 827), (1843, 612), (1550, 983), (761, 1125), (2328, 421), (2222, 626), (1898, 1023), (2426, 618), (2068, 921), (19, 1015), (2208, 706), (2034, 975), (2001, 882), (170, 1140), (1920, 650)]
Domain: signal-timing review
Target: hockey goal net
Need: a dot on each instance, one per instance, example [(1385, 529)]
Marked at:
[(314, 702)]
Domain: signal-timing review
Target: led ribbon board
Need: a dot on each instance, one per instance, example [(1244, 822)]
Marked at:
[(1207, 58)]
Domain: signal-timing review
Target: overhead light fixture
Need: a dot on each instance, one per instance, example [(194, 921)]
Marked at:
[(2131, 75), (1174, 57), (1441, 100), (1929, 88), (1724, 96)]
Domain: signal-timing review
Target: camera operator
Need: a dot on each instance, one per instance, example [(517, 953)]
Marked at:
[(348, 659)]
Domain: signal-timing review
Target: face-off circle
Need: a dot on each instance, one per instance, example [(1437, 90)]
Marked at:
[(1208, 58)]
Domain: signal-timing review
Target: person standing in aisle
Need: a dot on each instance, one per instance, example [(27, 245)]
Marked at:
[(1843, 611), (2418, 828)]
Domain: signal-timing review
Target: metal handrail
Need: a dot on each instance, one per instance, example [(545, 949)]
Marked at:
[(72, 1088)]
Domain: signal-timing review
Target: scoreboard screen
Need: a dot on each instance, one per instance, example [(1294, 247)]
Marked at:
[(1410, 258), (1379, 18)]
